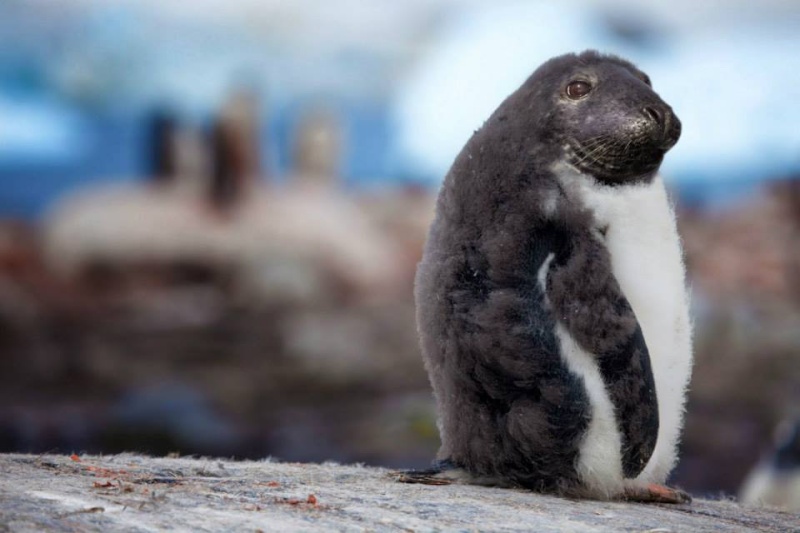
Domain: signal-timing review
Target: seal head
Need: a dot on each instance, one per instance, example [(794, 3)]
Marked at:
[(600, 114)]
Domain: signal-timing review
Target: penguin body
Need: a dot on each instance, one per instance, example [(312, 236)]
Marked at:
[(551, 304)]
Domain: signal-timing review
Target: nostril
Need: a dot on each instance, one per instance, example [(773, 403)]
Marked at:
[(655, 113)]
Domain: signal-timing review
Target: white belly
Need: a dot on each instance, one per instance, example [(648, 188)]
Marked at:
[(647, 261)]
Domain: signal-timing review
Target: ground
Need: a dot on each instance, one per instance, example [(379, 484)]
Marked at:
[(136, 493)]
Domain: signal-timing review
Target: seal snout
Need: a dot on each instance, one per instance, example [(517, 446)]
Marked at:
[(664, 123)]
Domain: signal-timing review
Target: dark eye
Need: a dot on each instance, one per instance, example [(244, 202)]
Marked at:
[(578, 89), (646, 79)]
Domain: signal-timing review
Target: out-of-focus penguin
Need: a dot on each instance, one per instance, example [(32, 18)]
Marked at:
[(775, 480)]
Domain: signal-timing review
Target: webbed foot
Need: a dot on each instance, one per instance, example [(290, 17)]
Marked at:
[(426, 477), (441, 473), (653, 493)]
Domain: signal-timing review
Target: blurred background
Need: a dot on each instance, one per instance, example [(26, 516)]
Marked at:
[(211, 213)]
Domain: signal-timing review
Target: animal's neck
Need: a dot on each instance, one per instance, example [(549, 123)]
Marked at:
[(639, 231)]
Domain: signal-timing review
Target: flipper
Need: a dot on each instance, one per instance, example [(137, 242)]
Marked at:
[(589, 302)]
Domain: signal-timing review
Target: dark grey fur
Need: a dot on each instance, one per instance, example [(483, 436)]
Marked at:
[(508, 406)]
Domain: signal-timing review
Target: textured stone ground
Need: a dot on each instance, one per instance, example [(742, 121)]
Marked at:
[(135, 493)]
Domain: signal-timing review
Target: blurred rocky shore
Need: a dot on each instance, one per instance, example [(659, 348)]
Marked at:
[(205, 310)]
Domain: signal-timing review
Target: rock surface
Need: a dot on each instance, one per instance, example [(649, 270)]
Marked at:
[(136, 493)]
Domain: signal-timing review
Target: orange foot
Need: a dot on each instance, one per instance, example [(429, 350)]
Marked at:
[(652, 493)]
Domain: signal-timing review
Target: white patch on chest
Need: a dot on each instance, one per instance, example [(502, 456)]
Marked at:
[(647, 261)]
